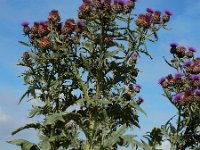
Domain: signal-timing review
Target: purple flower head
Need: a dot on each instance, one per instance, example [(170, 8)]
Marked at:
[(150, 10), (187, 63), (133, 55), (177, 97), (25, 23), (169, 13), (161, 80), (140, 100), (192, 49), (121, 2), (173, 45), (42, 22), (197, 92), (157, 12), (81, 24), (178, 75), (138, 88), (195, 77)]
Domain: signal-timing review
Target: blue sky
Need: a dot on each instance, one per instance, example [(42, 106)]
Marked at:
[(184, 30)]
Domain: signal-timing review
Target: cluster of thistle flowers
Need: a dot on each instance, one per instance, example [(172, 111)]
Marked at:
[(183, 86), (152, 17), (131, 89), (40, 34), (91, 8), (104, 10)]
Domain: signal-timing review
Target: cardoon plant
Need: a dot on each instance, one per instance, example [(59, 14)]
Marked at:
[(84, 73), (182, 90)]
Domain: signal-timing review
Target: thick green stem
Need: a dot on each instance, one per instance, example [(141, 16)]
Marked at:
[(178, 128)]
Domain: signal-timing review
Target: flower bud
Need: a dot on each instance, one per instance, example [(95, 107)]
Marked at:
[(173, 49), (26, 56), (35, 27), (127, 96), (138, 88), (44, 43), (162, 81), (43, 28), (140, 101), (181, 51), (166, 16), (190, 52), (54, 17), (26, 28), (156, 17)]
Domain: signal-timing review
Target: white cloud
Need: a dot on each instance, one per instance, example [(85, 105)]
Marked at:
[(3, 116)]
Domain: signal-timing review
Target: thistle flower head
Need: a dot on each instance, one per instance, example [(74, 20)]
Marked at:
[(177, 97), (81, 24), (43, 22), (140, 100), (168, 12), (195, 76), (25, 23), (157, 12), (138, 88), (197, 92), (121, 2), (187, 63), (192, 49), (174, 45), (150, 10), (161, 80), (178, 75)]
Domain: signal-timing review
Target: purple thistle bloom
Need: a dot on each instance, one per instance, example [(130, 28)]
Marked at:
[(197, 92), (133, 54), (150, 10), (169, 13), (140, 100), (177, 97), (178, 75), (25, 23), (42, 22), (195, 77), (192, 49), (187, 63), (174, 45), (161, 80), (81, 24), (138, 88), (121, 2)]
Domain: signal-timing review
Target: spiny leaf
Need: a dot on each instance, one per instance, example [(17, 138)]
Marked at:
[(35, 111), (22, 97), (25, 145), (52, 119), (137, 107), (23, 43), (27, 126)]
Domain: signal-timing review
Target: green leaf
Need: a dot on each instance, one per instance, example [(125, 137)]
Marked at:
[(45, 145), (52, 119), (35, 111), (129, 140), (25, 145), (114, 138), (137, 107), (22, 97), (27, 126), (23, 43)]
